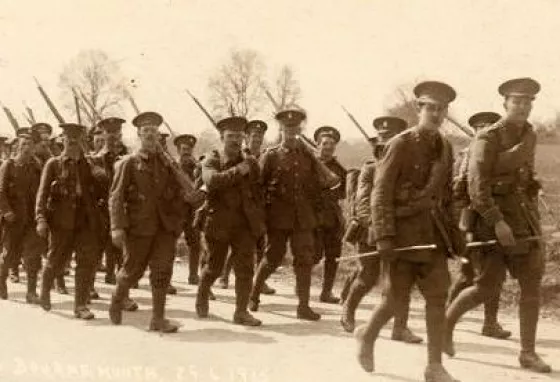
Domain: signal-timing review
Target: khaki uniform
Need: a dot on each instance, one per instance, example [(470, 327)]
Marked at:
[(234, 221), (292, 194), (19, 181), (66, 200), (508, 193)]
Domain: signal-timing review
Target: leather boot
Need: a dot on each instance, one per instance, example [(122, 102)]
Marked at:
[(202, 305), (401, 332), (171, 290), (303, 286), (158, 322), (128, 304), (46, 285), (242, 291), (437, 373), (367, 334), (356, 293), (3, 278), (528, 321), (329, 274), (405, 335), (115, 308), (81, 293), (268, 290), (491, 327), (264, 270), (467, 300), (31, 295)]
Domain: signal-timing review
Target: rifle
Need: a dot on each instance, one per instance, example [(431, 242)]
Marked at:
[(357, 124), (77, 106), (11, 118), (49, 103), (30, 116), (96, 115), (202, 108), (464, 129)]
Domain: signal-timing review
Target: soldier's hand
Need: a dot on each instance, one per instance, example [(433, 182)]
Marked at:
[(385, 247), (42, 229), (504, 234), (117, 236), (10, 217), (244, 167)]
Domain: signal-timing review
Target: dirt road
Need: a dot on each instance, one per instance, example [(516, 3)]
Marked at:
[(39, 346)]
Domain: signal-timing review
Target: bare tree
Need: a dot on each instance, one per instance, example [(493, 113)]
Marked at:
[(236, 86), (403, 106), (98, 78), (288, 91)]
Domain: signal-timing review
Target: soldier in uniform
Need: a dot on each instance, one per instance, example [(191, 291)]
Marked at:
[(292, 178), (256, 130), (145, 209), (330, 229), (491, 327), (185, 144), (104, 161), (411, 198), (66, 211), (387, 127), (3, 148), (19, 180), (235, 217), (56, 145), (506, 206)]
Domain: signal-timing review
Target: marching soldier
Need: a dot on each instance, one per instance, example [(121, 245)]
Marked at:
[(256, 130), (491, 327), (19, 181), (368, 275), (145, 209), (411, 197), (41, 133), (235, 217), (185, 144), (506, 207), (330, 229), (66, 211), (105, 159), (292, 178)]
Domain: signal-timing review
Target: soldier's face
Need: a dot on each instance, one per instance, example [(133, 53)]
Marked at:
[(431, 115), (326, 147), (72, 142), (233, 140), (98, 142), (255, 141), (112, 141), (149, 137), (185, 150), (518, 108), (25, 147), (291, 131)]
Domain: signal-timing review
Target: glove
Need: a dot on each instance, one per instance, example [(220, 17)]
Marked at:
[(504, 234), (386, 250), (118, 236), (42, 229)]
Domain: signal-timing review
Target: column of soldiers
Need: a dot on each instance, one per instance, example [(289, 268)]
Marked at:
[(244, 205)]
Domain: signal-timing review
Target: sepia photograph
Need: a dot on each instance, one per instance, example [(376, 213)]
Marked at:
[(279, 191)]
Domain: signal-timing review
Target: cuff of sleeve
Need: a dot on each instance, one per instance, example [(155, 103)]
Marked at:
[(492, 216)]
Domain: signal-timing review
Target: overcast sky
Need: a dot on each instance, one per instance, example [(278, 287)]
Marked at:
[(351, 52)]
